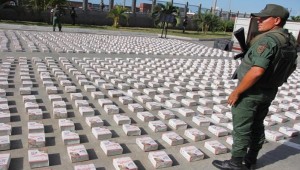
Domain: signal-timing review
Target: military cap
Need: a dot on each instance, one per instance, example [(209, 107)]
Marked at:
[(273, 10)]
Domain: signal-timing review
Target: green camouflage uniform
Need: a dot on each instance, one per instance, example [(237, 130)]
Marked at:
[(252, 107), (57, 18)]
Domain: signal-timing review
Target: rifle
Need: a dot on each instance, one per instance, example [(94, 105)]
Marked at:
[(240, 36)]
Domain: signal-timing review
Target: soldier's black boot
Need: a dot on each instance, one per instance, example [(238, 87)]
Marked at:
[(235, 163), (250, 159)]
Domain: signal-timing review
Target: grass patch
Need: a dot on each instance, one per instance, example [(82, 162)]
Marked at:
[(174, 32)]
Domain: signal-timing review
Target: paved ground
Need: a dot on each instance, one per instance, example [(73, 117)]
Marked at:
[(184, 75)]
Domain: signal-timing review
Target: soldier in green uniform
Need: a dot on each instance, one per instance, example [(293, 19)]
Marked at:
[(57, 14), (259, 80)]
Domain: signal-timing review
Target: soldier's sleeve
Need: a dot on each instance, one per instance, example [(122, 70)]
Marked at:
[(263, 51)]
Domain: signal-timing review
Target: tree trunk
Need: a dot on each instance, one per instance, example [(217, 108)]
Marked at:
[(163, 29), (153, 5), (85, 5)]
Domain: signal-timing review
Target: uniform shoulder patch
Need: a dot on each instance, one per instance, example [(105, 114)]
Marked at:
[(261, 48)]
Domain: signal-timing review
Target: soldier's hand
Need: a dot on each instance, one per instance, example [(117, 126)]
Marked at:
[(233, 97)]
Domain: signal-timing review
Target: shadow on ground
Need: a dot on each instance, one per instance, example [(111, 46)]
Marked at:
[(282, 152)]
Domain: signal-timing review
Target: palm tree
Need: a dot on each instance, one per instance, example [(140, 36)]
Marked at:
[(207, 21), (117, 13), (295, 18), (165, 14), (39, 5)]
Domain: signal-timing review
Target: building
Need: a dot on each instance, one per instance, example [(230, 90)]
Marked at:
[(78, 4), (145, 8)]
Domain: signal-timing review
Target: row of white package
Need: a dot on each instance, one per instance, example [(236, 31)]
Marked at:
[(273, 135), (79, 43)]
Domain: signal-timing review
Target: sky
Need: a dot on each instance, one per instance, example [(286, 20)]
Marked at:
[(243, 6)]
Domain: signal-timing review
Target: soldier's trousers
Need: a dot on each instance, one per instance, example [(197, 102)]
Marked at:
[(56, 21), (248, 129)]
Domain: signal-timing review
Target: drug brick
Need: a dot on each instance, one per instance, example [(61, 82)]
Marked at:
[(153, 106), (186, 112), (194, 134), (4, 143), (146, 144), (135, 107), (59, 104), (274, 136), (70, 137), (204, 110), (215, 147), (160, 159), (177, 124), (97, 95), (131, 130), (38, 158), (191, 153), (157, 126), (144, 99), (4, 117), (125, 100), (172, 138), (111, 148), (5, 129), (35, 114), (145, 116), (229, 140), (290, 132), (94, 121), (5, 161), (28, 105), (201, 120), (173, 104), (59, 113), (76, 96), (217, 130), (86, 111), (166, 114), (66, 124), (124, 163), (35, 127), (220, 118), (85, 167), (111, 109), (121, 119), (279, 118), (103, 102), (101, 133), (77, 153)]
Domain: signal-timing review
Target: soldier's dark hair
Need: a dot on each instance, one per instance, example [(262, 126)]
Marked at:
[(282, 22)]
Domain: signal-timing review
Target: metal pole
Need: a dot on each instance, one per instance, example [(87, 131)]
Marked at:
[(215, 6), (199, 9), (153, 5), (133, 7)]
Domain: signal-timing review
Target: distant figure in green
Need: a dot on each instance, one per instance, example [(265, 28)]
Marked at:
[(184, 24), (73, 15), (57, 14)]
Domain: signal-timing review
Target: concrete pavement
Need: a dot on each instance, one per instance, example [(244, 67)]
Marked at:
[(283, 154)]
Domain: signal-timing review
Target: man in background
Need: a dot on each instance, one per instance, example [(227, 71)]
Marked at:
[(73, 15), (57, 14), (184, 24)]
